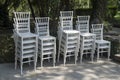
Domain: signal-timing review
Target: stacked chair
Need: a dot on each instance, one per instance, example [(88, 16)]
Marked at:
[(102, 46), (46, 43), (68, 38), (25, 41), (87, 40), (66, 21)]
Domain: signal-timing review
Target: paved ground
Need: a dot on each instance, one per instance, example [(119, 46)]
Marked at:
[(101, 70), (115, 29)]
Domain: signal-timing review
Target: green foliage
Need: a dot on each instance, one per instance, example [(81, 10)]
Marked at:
[(107, 26), (22, 6), (117, 16), (116, 19), (5, 7), (112, 3), (82, 4), (6, 48)]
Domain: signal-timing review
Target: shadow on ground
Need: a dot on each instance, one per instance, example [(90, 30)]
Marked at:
[(101, 70)]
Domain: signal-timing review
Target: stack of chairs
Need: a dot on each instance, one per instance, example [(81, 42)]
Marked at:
[(101, 45), (46, 43), (68, 38), (25, 41), (87, 40)]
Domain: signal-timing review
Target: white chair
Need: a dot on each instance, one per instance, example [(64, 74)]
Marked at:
[(25, 43), (87, 45), (102, 46), (22, 25), (66, 19), (66, 23), (87, 40), (68, 38), (69, 44), (46, 43), (82, 24)]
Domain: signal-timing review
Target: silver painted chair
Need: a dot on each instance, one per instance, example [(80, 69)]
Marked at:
[(87, 40), (68, 38), (102, 46), (25, 42), (46, 43)]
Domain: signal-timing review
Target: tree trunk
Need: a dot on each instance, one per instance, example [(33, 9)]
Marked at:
[(31, 8), (99, 8)]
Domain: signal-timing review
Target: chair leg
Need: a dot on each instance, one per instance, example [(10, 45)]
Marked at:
[(93, 51), (54, 55), (58, 57), (69, 56), (21, 66), (49, 58), (15, 57), (54, 58), (41, 60), (109, 53), (92, 56), (64, 58), (35, 63), (98, 54), (75, 58), (81, 56), (29, 60), (15, 62)]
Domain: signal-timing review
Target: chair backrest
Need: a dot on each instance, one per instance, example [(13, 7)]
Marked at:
[(98, 30), (66, 23), (66, 13), (22, 14), (42, 26), (83, 24), (22, 25)]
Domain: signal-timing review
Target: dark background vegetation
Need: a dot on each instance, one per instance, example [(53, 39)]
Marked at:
[(101, 11)]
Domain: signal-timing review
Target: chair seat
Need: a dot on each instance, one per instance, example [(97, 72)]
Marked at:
[(87, 34), (26, 55), (103, 44), (46, 37), (101, 41), (71, 31), (26, 35)]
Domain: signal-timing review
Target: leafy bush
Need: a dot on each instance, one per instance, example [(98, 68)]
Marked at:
[(6, 48)]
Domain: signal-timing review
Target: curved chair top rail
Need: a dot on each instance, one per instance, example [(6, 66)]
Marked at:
[(66, 13), (98, 30), (41, 19), (83, 18), (22, 14), (21, 20), (42, 26), (83, 24)]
